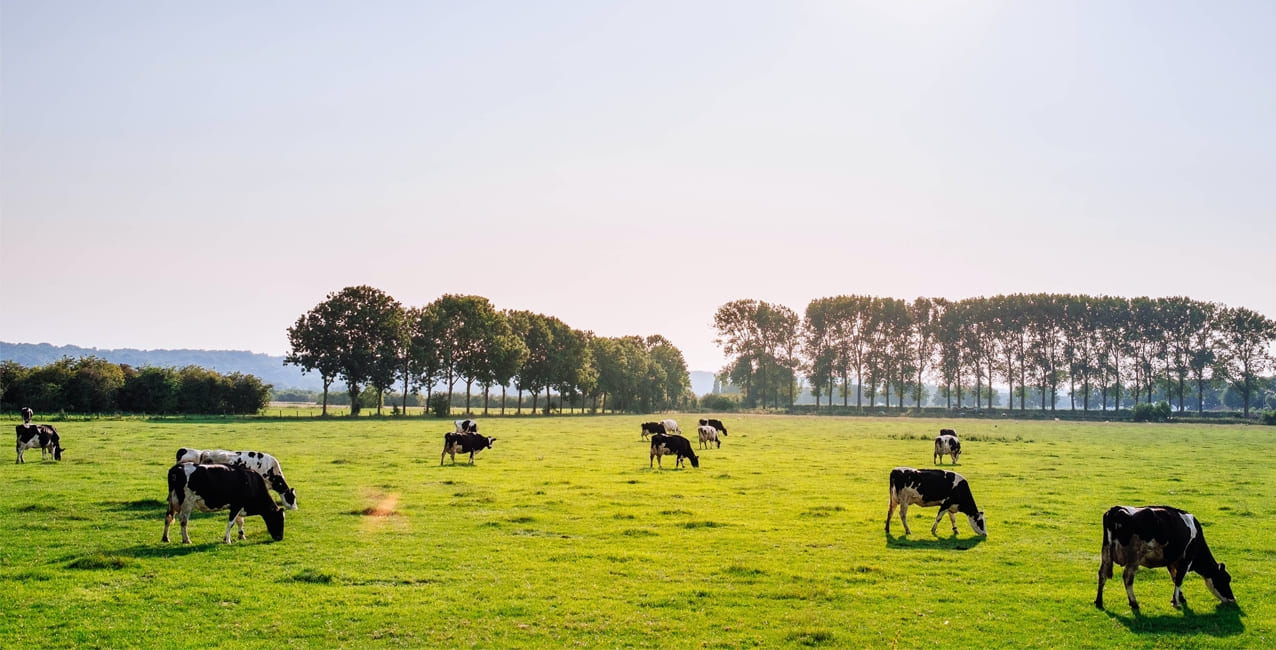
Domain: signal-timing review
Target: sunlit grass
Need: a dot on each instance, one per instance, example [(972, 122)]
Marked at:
[(562, 535)]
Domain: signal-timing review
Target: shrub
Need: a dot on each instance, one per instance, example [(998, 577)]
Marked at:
[(717, 402), (1159, 412), (440, 406), (1267, 417)]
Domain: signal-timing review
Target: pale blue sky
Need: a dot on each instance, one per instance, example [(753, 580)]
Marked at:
[(182, 174)]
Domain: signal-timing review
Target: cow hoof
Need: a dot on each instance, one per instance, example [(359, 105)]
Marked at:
[(1099, 603)]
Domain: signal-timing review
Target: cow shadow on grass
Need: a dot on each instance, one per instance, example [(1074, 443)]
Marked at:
[(927, 541), (1225, 620), (139, 508)]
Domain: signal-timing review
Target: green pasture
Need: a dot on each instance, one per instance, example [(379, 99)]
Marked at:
[(562, 536)]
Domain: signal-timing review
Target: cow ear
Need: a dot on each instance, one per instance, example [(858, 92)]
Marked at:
[(1222, 567)]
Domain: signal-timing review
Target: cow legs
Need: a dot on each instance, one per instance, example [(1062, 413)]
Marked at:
[(1178, 600), (1105, 572), (168, 521), (940, 515), (236, 514), (889, 511), (184, 517), (903, 517), (1127, 576)]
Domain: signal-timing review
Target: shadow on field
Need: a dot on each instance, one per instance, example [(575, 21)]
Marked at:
[(143, 508), (1225, 620), (953, 543), (166, 550)]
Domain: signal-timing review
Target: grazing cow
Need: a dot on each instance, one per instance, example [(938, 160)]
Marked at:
[(27, 414), (708, 434), (947, 444), (948, 432), (43, 436), (466, 426), (717, 424), (933, 487), (649, 428), (208, 488), (1159, 536), (676, 445), (257, 461), (464, 443), (671, 426)]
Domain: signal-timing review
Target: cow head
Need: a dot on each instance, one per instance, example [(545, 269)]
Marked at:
[(274, 523), (57, 451), (978, 524), (488, 442), (1221, 584), (290, 498), (695, 460)]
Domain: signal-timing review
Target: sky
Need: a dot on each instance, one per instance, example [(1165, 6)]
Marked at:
[(199, 175)]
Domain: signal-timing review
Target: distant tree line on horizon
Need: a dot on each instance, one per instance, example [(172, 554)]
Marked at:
[(1103, 353), (369, 341), (93, 385)]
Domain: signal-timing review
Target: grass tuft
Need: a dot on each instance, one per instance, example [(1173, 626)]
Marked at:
[(312, 576), (99, 561)]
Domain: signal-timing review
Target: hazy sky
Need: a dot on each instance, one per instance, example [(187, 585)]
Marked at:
[(199, 174)]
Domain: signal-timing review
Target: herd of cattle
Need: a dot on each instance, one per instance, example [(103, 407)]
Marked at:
[(241, 481)]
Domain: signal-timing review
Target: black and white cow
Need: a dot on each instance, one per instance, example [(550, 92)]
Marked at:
[(466, 426), (717, 424), (708, 434), (933, 487), (27, 414), (672, 444), (208, 488), (464, 443), (649, 428), (1159, 536), (949, 445), (258, 461), (43, 436)]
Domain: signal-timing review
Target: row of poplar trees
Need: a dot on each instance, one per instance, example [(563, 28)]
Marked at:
[(1100, 352), (368, 340)]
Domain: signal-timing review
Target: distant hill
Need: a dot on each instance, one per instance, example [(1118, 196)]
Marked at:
[(269, 369)]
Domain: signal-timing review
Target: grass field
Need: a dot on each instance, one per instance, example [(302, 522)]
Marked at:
[(561, 536)]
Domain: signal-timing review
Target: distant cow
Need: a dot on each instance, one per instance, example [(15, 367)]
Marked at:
[(208, 488), (649, 428), (1159, 536), (662, 444), (258, 461), (27, 414), (464, 443), (708, 434), (671, 426), (43, 436), (947, 445), (948, 432), (933, 487), (717, 424), (466, 426)]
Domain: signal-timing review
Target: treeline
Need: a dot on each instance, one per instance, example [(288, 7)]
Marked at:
[(373, 344), (93, 385), (1096, 352)]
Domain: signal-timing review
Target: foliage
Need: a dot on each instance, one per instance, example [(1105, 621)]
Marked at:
[(1159, 412), (441, 405), (717, 402), (1078, 352), (91, 385), (1267, 417)]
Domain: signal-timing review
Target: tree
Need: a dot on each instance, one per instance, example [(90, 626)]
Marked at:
[(354, 334), (313, 346), (534, 373), (1247, 337)]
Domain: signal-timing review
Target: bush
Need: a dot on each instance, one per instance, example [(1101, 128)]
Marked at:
[(1159, 412), (717, 402), (440, 406), (1267, 417)]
